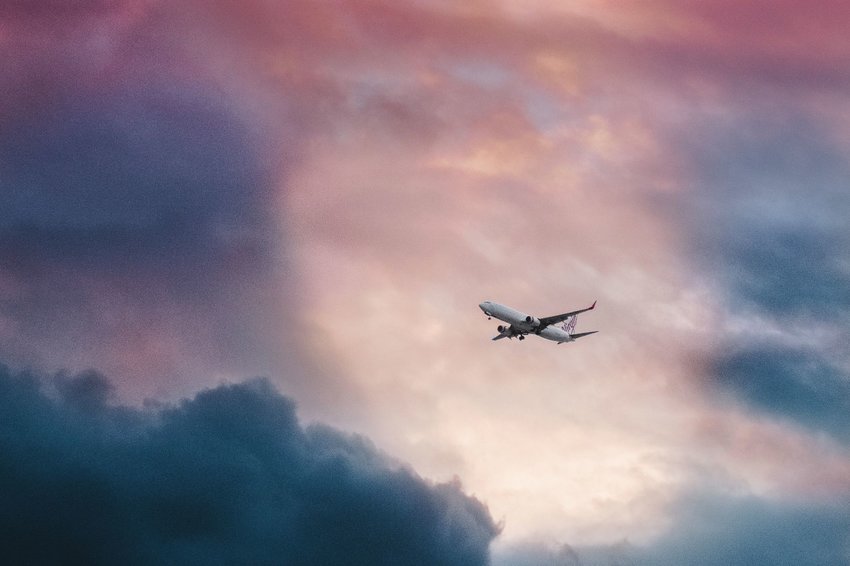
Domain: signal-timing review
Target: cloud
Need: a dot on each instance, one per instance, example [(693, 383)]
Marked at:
[(138, 228), (531, 554), (228, 476), (771, 197), (710, 528), (146, 147), (766, 221), (717, 529), (798, 384)]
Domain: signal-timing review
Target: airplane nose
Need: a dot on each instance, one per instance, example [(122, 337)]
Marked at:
[(483, 306)]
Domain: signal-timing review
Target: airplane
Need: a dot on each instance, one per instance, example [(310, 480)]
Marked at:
[(521, 324)]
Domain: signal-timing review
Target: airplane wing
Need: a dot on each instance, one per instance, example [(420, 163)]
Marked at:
[(548, 320), (508, 332)]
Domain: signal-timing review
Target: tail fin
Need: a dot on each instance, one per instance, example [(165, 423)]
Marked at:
[(570, 324)]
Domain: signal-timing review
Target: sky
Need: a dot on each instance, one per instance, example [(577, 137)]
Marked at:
[(242, 246)]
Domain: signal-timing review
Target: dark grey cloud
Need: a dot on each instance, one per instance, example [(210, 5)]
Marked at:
[(138, 199), (161, 188), (226, 477), (148, 212), (766, 218), (790, 270), (797, 384), (767, 212), (138, 164)]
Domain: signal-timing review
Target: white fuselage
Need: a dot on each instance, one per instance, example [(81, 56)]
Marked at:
[(523, 323), (555, 333)]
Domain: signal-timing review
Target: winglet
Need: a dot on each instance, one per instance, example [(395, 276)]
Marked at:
[(592, 306)]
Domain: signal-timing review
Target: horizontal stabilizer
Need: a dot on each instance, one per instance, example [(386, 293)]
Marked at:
[(500, 336), (580, 334)]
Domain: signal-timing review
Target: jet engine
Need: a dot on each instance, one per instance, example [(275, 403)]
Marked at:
[(506, 331), (532, 321)]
